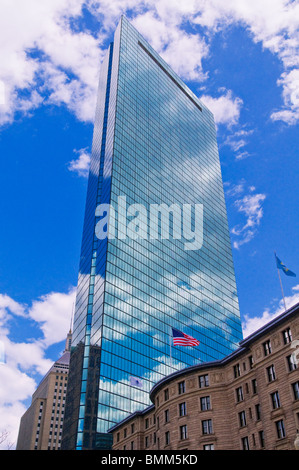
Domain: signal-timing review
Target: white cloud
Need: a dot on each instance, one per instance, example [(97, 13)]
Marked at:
[(2, 93), (53, 313), (27, 356), (81, 164), (182, 51), (235, 189), (274, 23), (237, 141), (251, 324), (45, 55), (226, 108), (42, 46), (7, 304), (290, 83), (242, 155), (15, 387), (250, 205), (28, 359)]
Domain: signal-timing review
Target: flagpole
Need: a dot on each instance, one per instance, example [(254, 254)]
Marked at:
[(170, 345), (285, 307)]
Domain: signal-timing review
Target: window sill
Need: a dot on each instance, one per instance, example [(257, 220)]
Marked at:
[(183, 442)]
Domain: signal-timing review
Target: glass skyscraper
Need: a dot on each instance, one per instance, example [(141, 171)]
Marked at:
[(156, 250)]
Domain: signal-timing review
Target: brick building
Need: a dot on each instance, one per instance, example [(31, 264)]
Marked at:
[(249, 400)]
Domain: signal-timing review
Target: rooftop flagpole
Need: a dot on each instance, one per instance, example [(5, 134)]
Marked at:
[(285, 307)]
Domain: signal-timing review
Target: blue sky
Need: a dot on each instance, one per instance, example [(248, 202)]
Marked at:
[(240, 57)]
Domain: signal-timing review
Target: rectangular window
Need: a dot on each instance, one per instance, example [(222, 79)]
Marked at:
[(207, 426), (208, 447), (271, 373), (182, 409), (239, 394), (254, 386), (166, 416), (167, 438), (258, 411), (181, 387), (280, 429), (287, 336), (183, 432), (262, 439), (242, 419), (291, 364), (275, 400), (267, 348), (166, 394), (295, 387), (245, 443), (205, 403), (237, 371), (203, 381)]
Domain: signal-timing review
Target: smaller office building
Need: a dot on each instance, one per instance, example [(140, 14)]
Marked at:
[(247, 401), (41, 425)]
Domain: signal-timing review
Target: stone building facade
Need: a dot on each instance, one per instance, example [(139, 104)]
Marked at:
[(41, 425), (247, 401)]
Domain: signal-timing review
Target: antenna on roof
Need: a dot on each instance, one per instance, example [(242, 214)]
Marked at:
[(72, 317)]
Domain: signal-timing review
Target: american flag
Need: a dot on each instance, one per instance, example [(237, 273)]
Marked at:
[(182, 339)]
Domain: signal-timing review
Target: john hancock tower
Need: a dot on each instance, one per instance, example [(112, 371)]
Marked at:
[(156, 251)]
